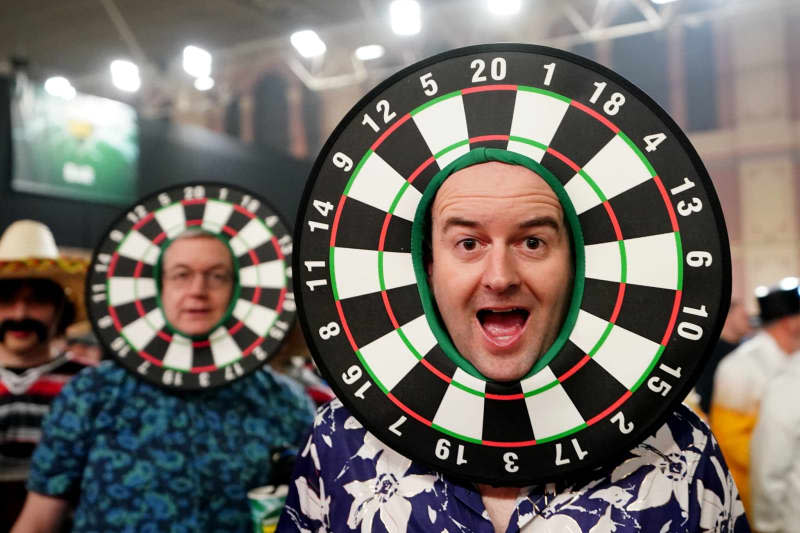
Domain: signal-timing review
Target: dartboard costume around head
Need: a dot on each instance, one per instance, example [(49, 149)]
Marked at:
[(124, 281), (652, 273)]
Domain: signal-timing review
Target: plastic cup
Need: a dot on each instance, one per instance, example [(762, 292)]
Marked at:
[(266, 504)]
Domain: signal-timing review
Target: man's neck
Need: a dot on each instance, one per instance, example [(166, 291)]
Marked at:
[(782, 338), (500, 503), (34, 357)]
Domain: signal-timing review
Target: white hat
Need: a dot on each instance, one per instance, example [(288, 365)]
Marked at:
[(28, 250)]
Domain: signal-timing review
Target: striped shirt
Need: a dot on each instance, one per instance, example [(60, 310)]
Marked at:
[(25, 396)]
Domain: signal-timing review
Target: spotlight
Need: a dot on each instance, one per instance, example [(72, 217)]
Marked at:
[(370, 51), (405, 15), (125, 76), (60, 86), (196, 62), (204, 84), (308, 43), (504, 7)]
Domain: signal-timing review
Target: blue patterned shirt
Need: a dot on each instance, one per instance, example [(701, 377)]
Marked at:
[(347, 480), (134, 457)]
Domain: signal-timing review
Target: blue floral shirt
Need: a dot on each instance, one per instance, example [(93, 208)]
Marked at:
[(136, 458), (347, 480)]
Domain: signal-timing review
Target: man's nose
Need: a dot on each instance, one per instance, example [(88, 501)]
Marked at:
[(19, 309), (501, 271), (199, 283)]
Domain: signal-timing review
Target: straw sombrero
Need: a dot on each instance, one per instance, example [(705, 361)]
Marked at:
[(28, 250)]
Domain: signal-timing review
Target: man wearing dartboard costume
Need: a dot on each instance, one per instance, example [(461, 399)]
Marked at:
[(506, 396), (124, 452)]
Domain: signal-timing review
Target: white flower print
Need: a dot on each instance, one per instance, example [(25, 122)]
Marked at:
[(314, 506), (716, 514), (561, 523), (387, 493), (671, 467), (616, 496)]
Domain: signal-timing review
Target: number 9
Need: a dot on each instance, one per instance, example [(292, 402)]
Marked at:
[(698, 258)]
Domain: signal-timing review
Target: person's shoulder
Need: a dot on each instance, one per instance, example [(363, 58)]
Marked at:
[(95, 378), (742, 359), (73, 364), (338, 434), (333, 416), (266, 382), (684, 417), (682, 430)]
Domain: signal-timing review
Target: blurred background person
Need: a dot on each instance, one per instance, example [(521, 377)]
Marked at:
[(742, 377), (39, 299), (737, 327), (775, 456), (123, 452)]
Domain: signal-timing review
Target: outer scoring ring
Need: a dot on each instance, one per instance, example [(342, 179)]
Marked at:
[(657, 263), (123, 292)]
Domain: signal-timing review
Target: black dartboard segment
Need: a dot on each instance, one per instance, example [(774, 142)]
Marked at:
[(657, 263), (122, 289)]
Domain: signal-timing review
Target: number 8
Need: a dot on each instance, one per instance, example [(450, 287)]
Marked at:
[(331, 330)]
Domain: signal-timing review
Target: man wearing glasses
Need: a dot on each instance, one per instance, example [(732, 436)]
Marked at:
[(127, 454)]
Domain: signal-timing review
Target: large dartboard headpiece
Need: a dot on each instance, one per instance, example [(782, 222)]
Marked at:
[(652, 263), (125, 280)]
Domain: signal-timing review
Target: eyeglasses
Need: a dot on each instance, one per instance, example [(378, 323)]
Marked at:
[(214, 279)]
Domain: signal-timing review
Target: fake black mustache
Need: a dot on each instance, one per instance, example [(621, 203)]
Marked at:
[(26, 324)]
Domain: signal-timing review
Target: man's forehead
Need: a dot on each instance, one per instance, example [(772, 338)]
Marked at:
[(181, 251), (490, 181)]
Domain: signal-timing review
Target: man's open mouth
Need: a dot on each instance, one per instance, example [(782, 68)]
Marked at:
[(503, 325)]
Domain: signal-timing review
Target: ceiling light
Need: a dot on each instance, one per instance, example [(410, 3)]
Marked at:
[(125, 75), (405, 15), (60, 86), (308, 43), (196, 62), (504, 7), (761, 291), (370, 51), (790, 283), (204, 84)]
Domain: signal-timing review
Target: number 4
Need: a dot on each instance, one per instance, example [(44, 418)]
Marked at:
[(323, 207), (653, 141)]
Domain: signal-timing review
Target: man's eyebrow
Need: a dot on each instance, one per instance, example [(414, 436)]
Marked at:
[(541, 221), (459, 222), (531, 223), (212, 267)]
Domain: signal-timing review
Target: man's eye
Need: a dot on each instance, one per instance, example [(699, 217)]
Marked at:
[(469, 244), (180, 276), (532, 243)]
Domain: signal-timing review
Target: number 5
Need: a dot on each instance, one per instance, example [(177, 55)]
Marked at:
[(429, 84)]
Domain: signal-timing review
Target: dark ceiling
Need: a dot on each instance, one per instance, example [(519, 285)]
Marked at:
[(79, 38)]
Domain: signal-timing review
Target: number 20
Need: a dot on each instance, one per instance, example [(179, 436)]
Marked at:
[(497, 69)]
